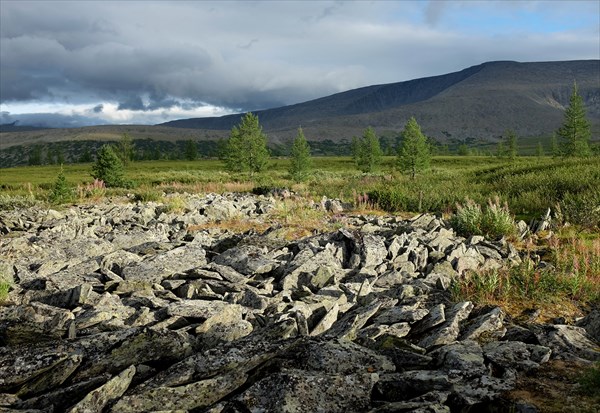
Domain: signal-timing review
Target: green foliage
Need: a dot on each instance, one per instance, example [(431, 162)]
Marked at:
[(413, 155), (8, 202), (86, 156), (511, 144), (126, 149), (539, 150), (464, 150), (61, 191), (494, 221), (109, 168), (35, 156), (590, 380), (575, 132), (573, 276), (366, 151), (300, 157), (554, 148), (581, 209), (246, 150), (147, 195), (191, 150)]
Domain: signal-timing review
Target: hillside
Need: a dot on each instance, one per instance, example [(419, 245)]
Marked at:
[(474, 106), (480, 102)]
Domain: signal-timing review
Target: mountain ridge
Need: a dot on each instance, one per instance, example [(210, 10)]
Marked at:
[(497, 91)]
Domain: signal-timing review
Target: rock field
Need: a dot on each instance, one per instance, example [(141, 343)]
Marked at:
[(123, 308)]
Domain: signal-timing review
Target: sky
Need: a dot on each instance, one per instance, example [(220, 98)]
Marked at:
[(77, 63)]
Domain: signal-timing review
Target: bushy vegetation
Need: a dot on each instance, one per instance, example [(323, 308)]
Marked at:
[(572, 276), (590, 381), (493, 221)]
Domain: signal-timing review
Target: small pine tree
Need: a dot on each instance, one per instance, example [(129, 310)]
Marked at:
[(500, 151), (108, 167), (35, 155), (413, 155), (126, 149), (61, 191), (539, 151), (246, 150), (191, 150), (554, 146), (511, 144), (300, 160), (367, 151), (575, 132)]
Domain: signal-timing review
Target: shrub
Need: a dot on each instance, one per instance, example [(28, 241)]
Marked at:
[(494, 221), (581, 209), (590, 380), (467, 219)]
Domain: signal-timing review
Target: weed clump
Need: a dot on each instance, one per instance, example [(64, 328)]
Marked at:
[(494, 221)]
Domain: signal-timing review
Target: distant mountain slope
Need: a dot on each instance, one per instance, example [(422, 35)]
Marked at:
[(479, 102)]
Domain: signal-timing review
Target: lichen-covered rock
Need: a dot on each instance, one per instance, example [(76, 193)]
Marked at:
[(300, 391), (98, 398), (133, 307)]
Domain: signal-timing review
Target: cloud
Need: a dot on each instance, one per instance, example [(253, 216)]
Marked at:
[(157, 58), (98, 108)]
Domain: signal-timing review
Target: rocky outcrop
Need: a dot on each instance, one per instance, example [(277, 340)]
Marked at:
[(128, 307)]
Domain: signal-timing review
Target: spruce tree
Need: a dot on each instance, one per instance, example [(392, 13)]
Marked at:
[(126, 149), (300, 159), (539, 151), (246, 149), (108, 167), (61, 191), (554, 148), (511, 143), (367, 151), (191, 150), (413, 155), (575, 132)]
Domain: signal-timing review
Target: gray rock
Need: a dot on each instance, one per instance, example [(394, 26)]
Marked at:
[(410, 384), (299, 391), (195, 395), (488, 325), (567, 342), (97, 399), (447, 332), (516, 355), (591, 324)]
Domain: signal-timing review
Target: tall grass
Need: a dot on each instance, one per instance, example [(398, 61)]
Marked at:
[(572, 277)]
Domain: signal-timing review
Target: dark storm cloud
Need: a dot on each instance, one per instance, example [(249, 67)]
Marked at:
[(98, 108), (161, 56)]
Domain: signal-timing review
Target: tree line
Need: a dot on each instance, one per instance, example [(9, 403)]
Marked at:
[(246, 148)]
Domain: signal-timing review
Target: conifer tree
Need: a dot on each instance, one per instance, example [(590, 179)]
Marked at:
[(367, 151), (539, 151), (413, 155), (126, 149), (575, 132), (300, 159), (108, 167), (511, 143), (61, 191), (246, 149)]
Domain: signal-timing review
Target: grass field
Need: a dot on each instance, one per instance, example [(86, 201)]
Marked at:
[(528, 185)]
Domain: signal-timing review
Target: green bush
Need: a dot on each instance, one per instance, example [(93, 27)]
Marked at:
[(582, 209), (494, 221), (467, 219), (590, 380)]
